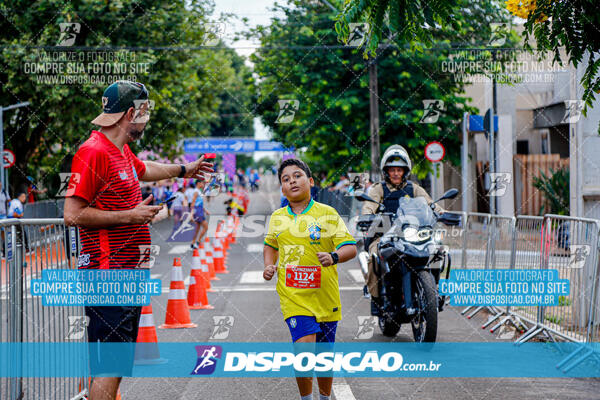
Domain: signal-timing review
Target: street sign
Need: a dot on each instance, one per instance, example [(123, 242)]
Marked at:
[(435, 152), (477, 123), (9, 158), (230, 145)]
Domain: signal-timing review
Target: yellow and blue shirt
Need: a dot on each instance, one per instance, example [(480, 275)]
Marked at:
[(298, 238)]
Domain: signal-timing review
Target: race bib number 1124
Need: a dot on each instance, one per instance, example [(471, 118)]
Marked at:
[(303, 277)]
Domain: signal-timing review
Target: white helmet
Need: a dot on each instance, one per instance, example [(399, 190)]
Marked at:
[(396, 156)]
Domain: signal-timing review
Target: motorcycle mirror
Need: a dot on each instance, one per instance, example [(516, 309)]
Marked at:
[(450, 194)]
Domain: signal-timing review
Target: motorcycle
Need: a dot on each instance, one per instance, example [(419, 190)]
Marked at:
[(409, 262)]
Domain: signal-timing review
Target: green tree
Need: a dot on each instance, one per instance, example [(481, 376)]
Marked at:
[(185, 85), (409, 20), (236, 109), (569, 25), (331, 126)]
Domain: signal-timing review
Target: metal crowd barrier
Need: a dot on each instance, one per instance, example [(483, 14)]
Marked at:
[(337, 199), (44, 209), (568, 245), (30, 246)]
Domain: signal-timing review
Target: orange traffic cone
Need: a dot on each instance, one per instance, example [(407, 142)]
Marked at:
[(204, 272), (208, 251), (178, 313), (146, 348), (197, 299), (220, 267)]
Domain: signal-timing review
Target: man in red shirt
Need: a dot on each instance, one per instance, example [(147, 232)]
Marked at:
[(106, 204)]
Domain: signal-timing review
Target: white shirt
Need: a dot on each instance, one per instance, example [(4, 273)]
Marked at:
[(15, 205), (189, 194), (179, 197), (3, 199)]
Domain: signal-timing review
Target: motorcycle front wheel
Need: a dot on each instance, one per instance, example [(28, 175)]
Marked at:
[(424, 324), (389, 327)]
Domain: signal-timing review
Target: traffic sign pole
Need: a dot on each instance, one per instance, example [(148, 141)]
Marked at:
[(2, 172)]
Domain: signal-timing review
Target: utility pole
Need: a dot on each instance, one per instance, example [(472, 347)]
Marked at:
[(373, 110), (374, 119), (493, 203), (3, 172)]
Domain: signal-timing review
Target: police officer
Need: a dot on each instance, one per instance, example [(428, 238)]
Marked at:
[(396, 166)]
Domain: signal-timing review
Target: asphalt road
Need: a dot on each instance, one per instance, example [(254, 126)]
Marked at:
[(254, 307)]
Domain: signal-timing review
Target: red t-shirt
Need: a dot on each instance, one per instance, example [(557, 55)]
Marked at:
[(108, 180)]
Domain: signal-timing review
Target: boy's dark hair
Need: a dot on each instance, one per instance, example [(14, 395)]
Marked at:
[(293, 161)]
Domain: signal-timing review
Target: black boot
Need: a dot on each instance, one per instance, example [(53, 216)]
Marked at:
[(376, 306)]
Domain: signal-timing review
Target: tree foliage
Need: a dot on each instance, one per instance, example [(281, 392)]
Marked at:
[(188, 86), (409, 20), (331, 85), (569, 25)]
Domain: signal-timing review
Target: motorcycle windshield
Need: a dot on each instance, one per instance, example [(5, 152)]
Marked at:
[(415, 212)]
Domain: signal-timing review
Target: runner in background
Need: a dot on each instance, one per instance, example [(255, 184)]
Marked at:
[(199, 214), (179, 204)]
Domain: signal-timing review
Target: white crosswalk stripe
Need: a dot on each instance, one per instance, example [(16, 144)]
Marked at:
[(180, 249), (357, 275), (255, 248), (252, 277)]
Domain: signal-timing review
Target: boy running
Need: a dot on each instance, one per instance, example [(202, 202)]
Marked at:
[(309, 239)]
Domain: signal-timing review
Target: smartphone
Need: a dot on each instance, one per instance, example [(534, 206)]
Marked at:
[(167, 201), (210, 156)]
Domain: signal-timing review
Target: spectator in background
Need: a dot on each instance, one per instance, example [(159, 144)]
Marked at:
[(343, 183), (4, 199), (167, 193), (155, 192), (254, 178), (16, 207), (189, 193), (33, 191), (179, 204), (147, 192), (199, 214), (240, 177)]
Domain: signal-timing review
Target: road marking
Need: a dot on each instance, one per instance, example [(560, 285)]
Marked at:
[(342, 390), (179, 249), (356, 275), (252, 277), (155, 276), (255, 248)]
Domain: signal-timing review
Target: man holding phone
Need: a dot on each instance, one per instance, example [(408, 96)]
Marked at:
[(106, 205)]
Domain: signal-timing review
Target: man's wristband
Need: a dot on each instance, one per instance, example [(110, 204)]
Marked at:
[(182, 172), (335, 257)]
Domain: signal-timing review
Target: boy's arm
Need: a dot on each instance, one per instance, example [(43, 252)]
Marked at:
[(270, 256), (345, 253)]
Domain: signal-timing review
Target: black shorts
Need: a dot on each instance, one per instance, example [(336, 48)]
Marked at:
[(117, 325)]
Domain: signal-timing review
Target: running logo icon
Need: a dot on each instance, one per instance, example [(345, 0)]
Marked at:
[(68, 33), (77, 325), (578, 255), (68, 183), (287, 111), (207, 359), (366, 327), (432, 109), (499, 182), (358, 34), (223, 324)]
